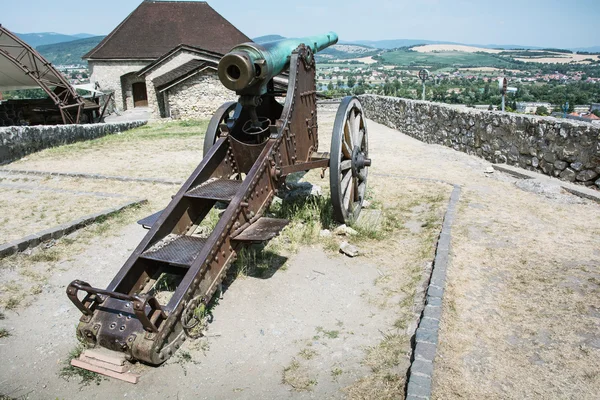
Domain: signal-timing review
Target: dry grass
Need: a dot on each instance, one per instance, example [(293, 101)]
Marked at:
[(298, 377), (31, 270), (26, 211), (522, 300), (160, 150)]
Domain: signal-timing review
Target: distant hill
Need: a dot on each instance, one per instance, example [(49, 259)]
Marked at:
[(43, 38), (394, 43), (267, 38), (68, 53), (83, 35), (595, 49)]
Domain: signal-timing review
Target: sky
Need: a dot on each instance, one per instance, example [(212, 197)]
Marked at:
[(545, 23)]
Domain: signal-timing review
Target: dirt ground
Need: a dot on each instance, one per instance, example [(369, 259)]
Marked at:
[(521, 310), (40, 206), (321, 325)]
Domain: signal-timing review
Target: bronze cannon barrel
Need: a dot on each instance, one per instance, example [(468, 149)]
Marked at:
[(248, 67)]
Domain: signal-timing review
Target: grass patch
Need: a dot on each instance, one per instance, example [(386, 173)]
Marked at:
[(387, 354), (153, 131), (4, 333), (328, 334), (308, 354), (336, 373), (307, 216), (86, 377), (298, 377)]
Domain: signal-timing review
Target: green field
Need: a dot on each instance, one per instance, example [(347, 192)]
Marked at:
[(440, 60)]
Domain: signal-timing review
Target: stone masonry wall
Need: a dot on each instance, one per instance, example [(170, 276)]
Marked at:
[(198, 97), (569, 150), (18, 141), (155, 101), (108, 75)]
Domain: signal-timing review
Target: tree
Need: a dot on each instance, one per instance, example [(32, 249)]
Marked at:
[(330, 86), (351, 82), (596, 113), (541, 110)]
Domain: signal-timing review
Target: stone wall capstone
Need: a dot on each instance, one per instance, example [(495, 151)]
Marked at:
[(569, 150), (18, 141)]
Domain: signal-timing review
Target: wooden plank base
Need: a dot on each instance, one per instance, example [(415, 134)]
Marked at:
[(127, 377)]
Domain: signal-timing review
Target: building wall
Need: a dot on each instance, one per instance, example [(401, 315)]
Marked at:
[(561, 148), (198, 97), (155, 100), (108, 75)]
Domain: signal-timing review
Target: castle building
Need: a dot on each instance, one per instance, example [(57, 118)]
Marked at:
[(164, 56)]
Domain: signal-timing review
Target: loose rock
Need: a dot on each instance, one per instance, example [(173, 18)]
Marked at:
[(344, 230), (325, 233), (348, 249)]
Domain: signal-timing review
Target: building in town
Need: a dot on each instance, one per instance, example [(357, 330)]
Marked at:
[(164, 56)]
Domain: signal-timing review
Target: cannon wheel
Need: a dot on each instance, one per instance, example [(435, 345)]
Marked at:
[(349, 164), (223, 115)]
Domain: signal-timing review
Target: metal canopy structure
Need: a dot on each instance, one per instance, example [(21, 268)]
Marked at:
[(21, 67)]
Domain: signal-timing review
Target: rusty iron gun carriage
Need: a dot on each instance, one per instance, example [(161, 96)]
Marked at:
[(250, 147)]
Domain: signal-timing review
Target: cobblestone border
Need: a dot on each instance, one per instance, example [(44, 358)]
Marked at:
[(91, 176), (420, 374), (56, 232), (428, 309)]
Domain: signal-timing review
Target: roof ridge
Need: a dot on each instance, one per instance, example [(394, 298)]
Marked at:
[(110, 35), (137, 37), (225, 19)]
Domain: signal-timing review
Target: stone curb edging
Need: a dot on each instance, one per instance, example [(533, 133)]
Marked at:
[(59, 231), (90, 176), (420, 374), (429, 311)]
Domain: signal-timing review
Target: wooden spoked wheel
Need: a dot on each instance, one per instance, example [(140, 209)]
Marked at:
[(226, 114), (349, 164)]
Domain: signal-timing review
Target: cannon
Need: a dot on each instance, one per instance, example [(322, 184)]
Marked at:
[(250, 147)]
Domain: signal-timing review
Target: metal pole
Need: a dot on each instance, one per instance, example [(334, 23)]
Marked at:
[(423, 96), (503, 101)]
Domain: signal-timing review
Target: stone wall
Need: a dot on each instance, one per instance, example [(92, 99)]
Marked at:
[(108, 75), (18, 141), (569, 150), (156, 100), (198, 97)]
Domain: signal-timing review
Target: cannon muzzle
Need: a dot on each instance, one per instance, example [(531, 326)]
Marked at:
[(248, 67)]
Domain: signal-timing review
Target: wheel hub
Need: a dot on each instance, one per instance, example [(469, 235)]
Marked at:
[(359, 160)]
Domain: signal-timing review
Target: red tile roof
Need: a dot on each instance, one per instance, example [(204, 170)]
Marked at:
[(156, 27)]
